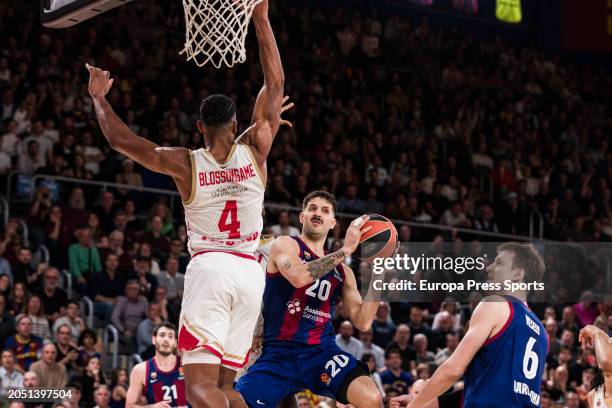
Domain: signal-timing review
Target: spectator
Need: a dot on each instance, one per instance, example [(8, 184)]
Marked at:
[(373, 367), (146, 327), (455, 217), (161, 299), (109, 285), (10, 377), (485, 221), (26, 346), (54, 299), (568, 321), (119, 386), (160, 244), (347, 342), (87, 348), (350, 203), (106, 210), (36, 312), (370, 348), (57, 236), (147, 282), (67, 353), (284, 227), (393, 374), (7, 322), (18, 298), (422, 354), (30, 380), (383, 328), (102, 397), (72, 319), (31, 160), (452, 341), (129, 311), (84, 260), (90, 380), (116, 247), (128, 175), (75, 216), (402, 346), (177, 251), (51, 374), (174, 282), (416, 323), (585, 312), (24, 271), (146, 253), (445, 327)]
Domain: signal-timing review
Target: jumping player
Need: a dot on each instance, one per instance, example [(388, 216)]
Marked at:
[(502, 355), (600, 395), (159, 380), (222, 188), (302, 286)]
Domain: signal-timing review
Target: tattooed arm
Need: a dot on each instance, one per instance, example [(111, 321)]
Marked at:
[(284, 257)]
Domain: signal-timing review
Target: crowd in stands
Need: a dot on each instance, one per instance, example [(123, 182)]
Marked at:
[(419, 123)]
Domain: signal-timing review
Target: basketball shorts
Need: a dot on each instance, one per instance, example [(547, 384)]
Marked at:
[(284, 370), (221, 303)]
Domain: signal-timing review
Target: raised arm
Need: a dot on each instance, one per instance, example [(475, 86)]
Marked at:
[(174, 162), (284, 257), (487, 317), (593, 337), (266, 114), (360, 312)]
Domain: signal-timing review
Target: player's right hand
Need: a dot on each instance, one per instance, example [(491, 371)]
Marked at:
[(161, 404), (99, 81), (401, 401), (354, 233)]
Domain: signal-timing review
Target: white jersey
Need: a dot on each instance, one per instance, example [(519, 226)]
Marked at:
[(599, 399), (224, 211)]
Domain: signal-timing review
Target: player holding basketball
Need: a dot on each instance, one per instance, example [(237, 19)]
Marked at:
[(502, 355), (302, 286), (600, 395), (160, 379), (222, 188)]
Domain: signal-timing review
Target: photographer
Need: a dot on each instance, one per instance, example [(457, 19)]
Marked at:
[(38, 214)]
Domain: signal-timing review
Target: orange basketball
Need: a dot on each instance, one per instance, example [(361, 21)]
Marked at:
[(380, 240)]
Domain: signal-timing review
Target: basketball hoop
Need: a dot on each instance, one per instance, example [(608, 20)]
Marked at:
[(216, 31)]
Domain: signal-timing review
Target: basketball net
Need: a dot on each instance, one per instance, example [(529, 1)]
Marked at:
[(216, 31)]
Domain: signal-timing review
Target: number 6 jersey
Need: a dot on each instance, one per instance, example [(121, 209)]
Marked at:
[(507, 371), (224, 211)]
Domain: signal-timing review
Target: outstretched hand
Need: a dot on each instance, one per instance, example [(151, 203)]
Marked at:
[(286, 107), (100, 81)]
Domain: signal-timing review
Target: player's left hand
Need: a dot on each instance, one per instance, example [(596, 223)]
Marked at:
[(100, 81), (587, 336), (401, 401), (286, 107)]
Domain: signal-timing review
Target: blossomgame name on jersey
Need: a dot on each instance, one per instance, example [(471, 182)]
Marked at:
[(235, 175), (470, 284)]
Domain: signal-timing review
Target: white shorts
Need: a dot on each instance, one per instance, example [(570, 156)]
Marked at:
[(221, 303)]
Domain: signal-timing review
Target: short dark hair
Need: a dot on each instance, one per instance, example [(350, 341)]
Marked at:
[(320, 194), (87, 333), (217, 109), (392, 350), (527, 258), (166, 325)]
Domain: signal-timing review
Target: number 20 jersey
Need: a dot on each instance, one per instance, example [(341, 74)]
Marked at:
[(507, 371), (224, 211)]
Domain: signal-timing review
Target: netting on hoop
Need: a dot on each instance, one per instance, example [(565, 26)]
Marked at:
[(216, 30)]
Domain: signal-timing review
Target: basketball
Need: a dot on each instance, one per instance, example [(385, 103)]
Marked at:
[(380, 241)]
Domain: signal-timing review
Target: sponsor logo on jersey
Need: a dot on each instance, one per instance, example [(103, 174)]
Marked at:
[(338, 276), (532, 325), (325, 378), (153, 375), (307, 256), (294, 306), (317, 315)]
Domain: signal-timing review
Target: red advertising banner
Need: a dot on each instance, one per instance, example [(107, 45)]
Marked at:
[(586, 25)]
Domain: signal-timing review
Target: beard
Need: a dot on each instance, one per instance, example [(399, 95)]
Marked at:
[(164, 353)]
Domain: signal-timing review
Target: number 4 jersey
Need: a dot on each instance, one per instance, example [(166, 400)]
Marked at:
[(507, 371), (224, 211)]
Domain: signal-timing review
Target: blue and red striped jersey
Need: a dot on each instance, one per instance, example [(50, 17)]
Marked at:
[(301, 315), (165, 385)]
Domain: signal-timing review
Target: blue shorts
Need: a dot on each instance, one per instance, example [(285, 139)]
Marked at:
[(287, 369)]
